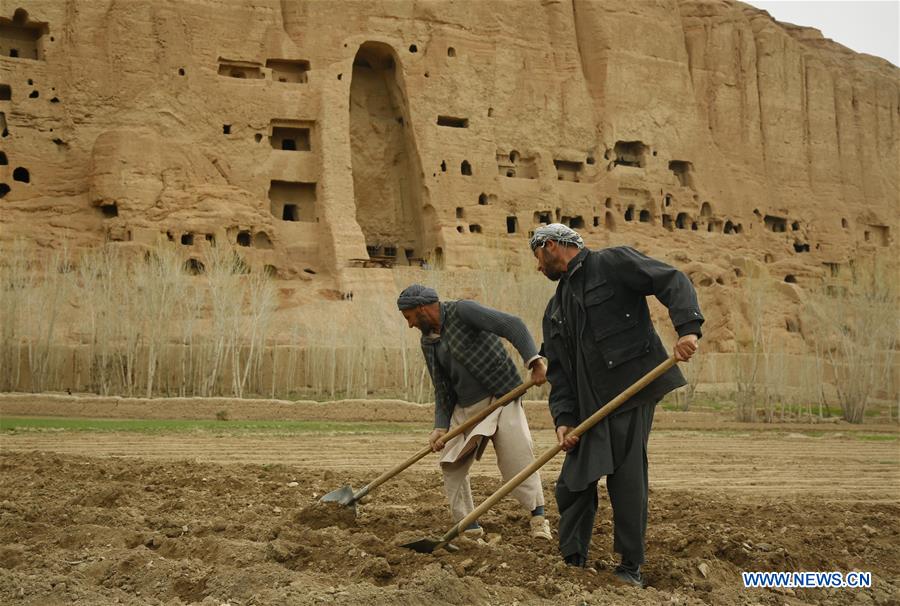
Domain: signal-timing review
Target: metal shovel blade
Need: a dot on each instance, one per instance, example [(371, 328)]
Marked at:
[(343, 495), (428, 545)]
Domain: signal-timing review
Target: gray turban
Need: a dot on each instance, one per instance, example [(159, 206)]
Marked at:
[(555, 231), (416, 295)]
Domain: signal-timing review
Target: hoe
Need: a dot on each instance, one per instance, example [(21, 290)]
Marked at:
[(347, 497), (428, 545)]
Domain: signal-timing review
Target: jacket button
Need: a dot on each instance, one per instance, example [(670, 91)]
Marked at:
[(627, 315), (610, 362)]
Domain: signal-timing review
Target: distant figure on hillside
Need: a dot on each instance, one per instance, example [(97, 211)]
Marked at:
[(470, 369), (598, 340)]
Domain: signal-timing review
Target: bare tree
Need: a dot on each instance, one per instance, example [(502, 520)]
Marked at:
[(857, 332)]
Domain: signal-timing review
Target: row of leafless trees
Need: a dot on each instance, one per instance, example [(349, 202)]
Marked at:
[(118, 323), (851, 326), (121, 324), (133, 326)]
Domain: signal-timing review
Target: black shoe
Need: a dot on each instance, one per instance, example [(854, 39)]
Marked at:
[(629, 576), (576, 559)]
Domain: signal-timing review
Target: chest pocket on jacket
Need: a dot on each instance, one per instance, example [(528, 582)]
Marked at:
[(605, 315)]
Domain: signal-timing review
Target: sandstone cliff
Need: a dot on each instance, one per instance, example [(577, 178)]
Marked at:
[(331, 143)]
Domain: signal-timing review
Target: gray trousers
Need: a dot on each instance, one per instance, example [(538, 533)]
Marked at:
[(627, 487)]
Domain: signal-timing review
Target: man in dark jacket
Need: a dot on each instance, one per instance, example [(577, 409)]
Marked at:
[(470, 368), (598, 340)]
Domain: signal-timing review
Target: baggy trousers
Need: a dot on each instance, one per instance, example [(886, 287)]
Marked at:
[(507, 428), (627, 487)]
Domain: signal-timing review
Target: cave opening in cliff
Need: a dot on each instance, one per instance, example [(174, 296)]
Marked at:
[(387, 176), (21, 174), (630, 153), (22, 38), (194, 267), (683, 171), (543, 217), (776, 224), (109, 211), (289, 71), (293, 200), (290, 135), (453, 122), (644, 217), (4, 189), (465, 168), (5, 92), (3, 159), (681, 220), (243, 70), (629, 213), (566, 170)]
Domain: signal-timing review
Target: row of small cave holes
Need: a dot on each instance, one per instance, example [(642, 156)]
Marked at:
[(6, 92), (20, 173), (451, 52)]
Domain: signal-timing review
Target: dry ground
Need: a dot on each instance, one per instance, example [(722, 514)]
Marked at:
[(214, 518)]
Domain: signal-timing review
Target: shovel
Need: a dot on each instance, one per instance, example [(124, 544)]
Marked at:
[(428, 545), (346, 496)]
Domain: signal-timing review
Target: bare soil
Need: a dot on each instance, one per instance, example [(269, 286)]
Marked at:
[(183, 518)]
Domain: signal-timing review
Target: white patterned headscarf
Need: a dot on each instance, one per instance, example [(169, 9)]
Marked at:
[(556, 231)]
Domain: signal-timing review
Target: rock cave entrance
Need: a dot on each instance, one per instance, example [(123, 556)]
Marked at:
[(386, 178), (22, 38)]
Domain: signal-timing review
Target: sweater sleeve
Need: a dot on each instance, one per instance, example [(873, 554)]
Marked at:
[(501, 324)]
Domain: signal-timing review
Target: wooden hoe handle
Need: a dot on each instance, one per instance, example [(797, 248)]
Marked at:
[(549, 454), (515, 394)]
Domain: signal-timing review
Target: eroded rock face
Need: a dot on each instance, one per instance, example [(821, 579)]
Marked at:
[(329, 141)]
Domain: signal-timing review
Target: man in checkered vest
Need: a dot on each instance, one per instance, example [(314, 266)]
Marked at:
[(470, 369)]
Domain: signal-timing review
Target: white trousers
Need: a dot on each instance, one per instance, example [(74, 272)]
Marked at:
[(508, 429)]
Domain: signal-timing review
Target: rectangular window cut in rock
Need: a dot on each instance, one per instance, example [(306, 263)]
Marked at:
[(512, 165), (293, 200), (289, 71), (543, 217), (246, 70), (22, 38), (290, 135), (568, 171), (775, 224), (453, 122), (630, 153)]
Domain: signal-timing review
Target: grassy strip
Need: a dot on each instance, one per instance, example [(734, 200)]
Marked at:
[(12, 424)]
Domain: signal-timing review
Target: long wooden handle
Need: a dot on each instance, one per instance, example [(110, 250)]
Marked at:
[(515, 394), (549, 454)]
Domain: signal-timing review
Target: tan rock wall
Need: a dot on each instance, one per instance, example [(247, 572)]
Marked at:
[(443, 132)]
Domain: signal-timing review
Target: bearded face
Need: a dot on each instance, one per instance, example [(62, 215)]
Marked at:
[(550, 261), (417, 318)]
